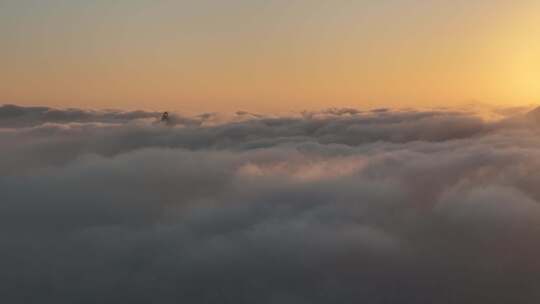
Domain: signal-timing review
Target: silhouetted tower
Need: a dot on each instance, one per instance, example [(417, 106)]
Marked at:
[(165, 117)]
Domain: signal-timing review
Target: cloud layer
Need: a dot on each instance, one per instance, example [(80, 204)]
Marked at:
[(341, 206)]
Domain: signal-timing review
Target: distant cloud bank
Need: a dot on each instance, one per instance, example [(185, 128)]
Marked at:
[(338, 206)]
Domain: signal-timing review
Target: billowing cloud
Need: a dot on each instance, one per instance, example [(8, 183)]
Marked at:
[(339, 206)]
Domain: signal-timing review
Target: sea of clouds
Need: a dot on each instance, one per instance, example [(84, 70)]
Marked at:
[(336, 206)]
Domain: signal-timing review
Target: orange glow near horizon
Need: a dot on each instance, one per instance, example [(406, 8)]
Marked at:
[(270, 55)]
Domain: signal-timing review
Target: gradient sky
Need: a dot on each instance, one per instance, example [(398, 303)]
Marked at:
[(268, 55)]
